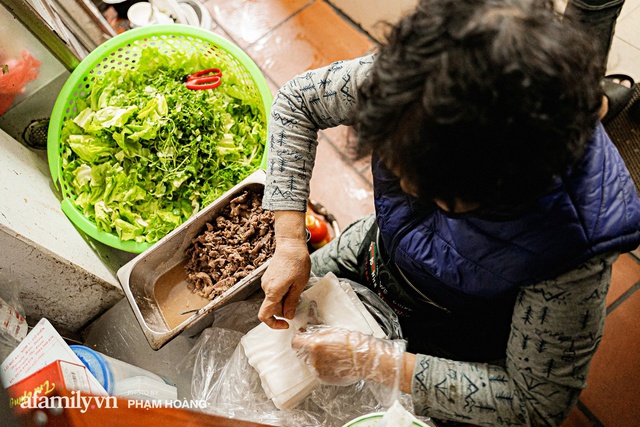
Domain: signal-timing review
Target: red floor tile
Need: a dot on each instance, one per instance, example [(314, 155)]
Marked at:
[(625, 273), (613, 390), (340, 136), (314, 37), (338, 187), (272, 85), (246, 21)]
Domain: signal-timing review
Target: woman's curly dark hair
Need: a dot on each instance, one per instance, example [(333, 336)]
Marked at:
[(488, 101)]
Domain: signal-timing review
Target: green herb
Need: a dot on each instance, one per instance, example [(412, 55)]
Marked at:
[(145, 153)]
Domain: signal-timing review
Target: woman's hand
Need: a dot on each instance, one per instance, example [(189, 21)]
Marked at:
[(337, 356), (288, 271), (342, 357)]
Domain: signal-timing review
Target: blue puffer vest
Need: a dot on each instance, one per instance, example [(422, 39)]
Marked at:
[(473, 265)]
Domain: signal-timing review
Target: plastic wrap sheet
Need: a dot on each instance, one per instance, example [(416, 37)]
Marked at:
[(15, 76), (13, 326), (384, 315), (222, 375)]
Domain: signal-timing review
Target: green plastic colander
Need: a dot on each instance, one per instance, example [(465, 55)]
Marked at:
[(123, 51)]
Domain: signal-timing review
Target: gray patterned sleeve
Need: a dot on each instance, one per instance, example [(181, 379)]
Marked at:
[(311, 101), (555, 330)]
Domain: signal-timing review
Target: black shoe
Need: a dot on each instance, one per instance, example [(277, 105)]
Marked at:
[(617, 94)]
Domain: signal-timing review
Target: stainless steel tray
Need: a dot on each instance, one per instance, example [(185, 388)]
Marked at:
[(155, 283)]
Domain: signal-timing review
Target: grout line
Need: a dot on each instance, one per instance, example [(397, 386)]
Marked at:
[(228, 35), (344, 159), (633, 255), (352, 22), (626, 12), (595, 422), (246, 48), (622, 298), (287, 19), (365, 168)]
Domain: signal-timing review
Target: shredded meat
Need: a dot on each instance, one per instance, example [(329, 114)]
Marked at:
[(233, 245)]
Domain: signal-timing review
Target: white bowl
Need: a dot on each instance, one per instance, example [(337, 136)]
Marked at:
[(206, 21), (372, 420), (171, 8), (190, 14), (143, 14)]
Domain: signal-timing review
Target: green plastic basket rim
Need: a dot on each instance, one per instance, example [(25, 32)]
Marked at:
[(86, 65)]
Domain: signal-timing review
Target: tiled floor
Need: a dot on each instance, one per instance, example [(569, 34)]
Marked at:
[(287, 37), (625, 51)]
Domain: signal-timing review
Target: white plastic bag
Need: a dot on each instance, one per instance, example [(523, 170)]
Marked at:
[(223, 377)]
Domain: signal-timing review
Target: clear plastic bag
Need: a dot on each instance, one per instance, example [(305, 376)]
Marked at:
[(13, 326), (384, 315), (222, 375), (14, 76)]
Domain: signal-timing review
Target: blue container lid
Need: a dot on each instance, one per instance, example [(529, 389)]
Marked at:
[(96, 364)]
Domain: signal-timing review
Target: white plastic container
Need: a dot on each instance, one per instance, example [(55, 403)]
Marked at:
[(145, 388), (108, 371)]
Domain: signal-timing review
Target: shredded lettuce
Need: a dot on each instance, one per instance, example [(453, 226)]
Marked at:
[(144, 153)]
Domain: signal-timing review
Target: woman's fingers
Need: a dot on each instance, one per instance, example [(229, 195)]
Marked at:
[(268, 312)]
